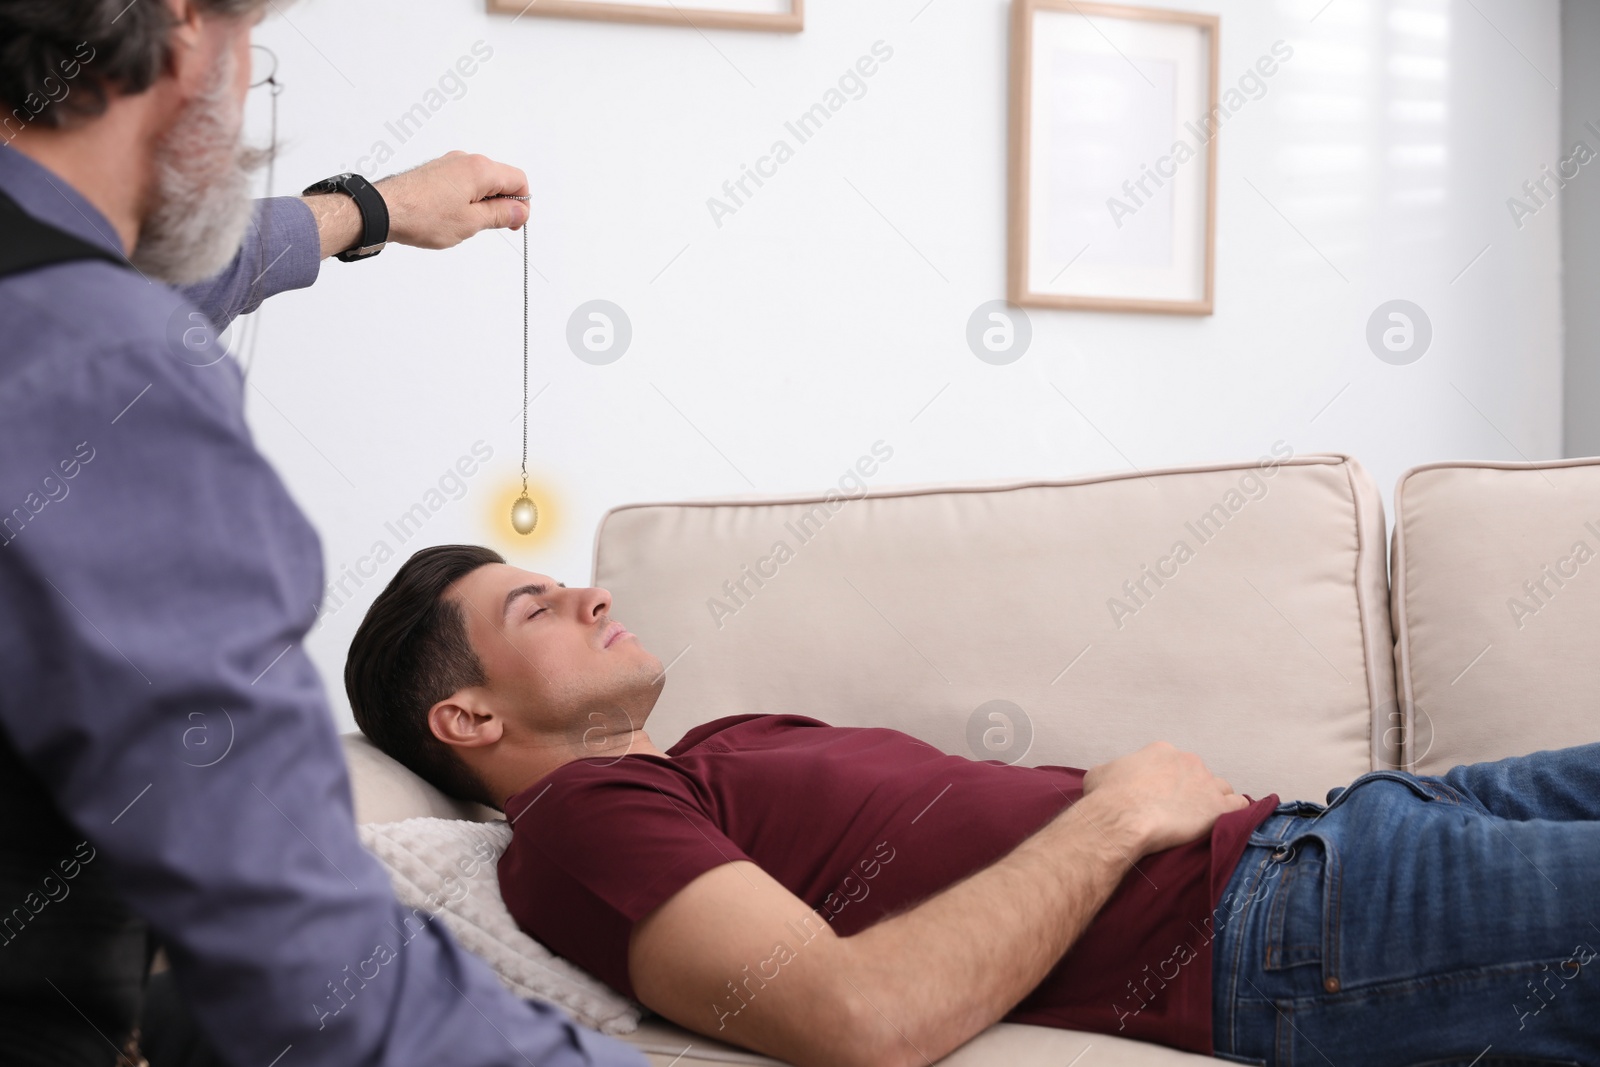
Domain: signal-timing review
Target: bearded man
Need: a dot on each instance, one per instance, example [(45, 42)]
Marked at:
[(167, 761)]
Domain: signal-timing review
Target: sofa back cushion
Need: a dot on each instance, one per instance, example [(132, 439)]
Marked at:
[(1497, 608), (1240, 611)]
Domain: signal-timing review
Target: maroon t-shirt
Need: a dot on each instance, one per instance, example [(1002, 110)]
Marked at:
[(859, 824)]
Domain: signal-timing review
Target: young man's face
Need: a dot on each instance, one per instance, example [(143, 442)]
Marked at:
[(556, 662)]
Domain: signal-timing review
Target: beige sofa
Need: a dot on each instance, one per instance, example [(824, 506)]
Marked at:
[(1243, 611)]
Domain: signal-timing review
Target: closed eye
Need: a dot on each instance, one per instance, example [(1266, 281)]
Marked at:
[(535, 589), (539, 612)]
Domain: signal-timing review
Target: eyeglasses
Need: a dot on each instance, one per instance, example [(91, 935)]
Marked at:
[(263, 71), (264, 68)]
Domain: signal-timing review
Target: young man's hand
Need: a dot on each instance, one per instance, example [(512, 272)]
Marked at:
[(437, 205), (1157, 798)]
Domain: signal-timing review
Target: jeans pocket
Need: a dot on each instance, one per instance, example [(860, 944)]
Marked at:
[(1424, 786), (1296, 923)]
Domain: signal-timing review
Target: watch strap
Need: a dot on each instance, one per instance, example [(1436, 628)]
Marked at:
[(374, 212)]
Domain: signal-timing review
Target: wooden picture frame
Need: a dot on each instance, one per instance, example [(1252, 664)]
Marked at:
[(1088, 147), (665, 14)]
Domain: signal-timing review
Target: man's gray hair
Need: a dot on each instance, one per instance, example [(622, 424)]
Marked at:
[(61, 59)]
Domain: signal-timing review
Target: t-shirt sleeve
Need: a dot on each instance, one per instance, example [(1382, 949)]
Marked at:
[(601, 847)]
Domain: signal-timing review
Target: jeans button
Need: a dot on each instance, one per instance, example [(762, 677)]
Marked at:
[(1331, 985), (1280, 853)]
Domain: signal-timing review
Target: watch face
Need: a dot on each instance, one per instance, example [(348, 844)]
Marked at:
[(329, 185)]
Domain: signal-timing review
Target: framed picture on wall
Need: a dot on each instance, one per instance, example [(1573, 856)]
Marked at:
[(780, 16), (1113, 157)]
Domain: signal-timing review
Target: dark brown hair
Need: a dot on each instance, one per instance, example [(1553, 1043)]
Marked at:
[(60, 59), (410, 652)]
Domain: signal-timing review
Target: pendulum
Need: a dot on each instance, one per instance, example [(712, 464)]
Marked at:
[(524, 513)]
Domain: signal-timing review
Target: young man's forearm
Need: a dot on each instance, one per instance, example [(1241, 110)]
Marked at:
[(938, 974), (912, 987)]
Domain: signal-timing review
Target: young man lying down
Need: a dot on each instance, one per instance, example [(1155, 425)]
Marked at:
[(840, 896)]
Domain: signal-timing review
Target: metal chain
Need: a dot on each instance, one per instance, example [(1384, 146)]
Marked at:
[(525, 199), (525, 353), (524, 510)]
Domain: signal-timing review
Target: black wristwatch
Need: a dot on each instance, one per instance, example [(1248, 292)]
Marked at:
[(374, 212)]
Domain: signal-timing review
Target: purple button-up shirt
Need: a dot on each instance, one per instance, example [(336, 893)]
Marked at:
[(156, 582)]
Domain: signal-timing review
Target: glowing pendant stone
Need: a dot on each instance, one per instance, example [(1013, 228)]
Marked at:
[(524, 515)]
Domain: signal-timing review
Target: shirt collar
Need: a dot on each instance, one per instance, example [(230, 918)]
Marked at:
[(50, 198)]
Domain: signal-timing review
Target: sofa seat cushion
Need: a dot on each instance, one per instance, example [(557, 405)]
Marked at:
[(1008, 1044)]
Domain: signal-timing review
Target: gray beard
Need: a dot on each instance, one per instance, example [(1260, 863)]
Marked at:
[(200, 203)]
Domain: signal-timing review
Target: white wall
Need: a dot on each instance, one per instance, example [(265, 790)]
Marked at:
[(825, 315)]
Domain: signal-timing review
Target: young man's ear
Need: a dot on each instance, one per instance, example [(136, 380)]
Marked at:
[(457, 721)]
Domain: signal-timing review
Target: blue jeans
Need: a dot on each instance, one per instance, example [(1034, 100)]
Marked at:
[(1418, 919)]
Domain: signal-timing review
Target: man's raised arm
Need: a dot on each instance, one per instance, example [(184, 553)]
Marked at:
[(913, 987), (437, 205)]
